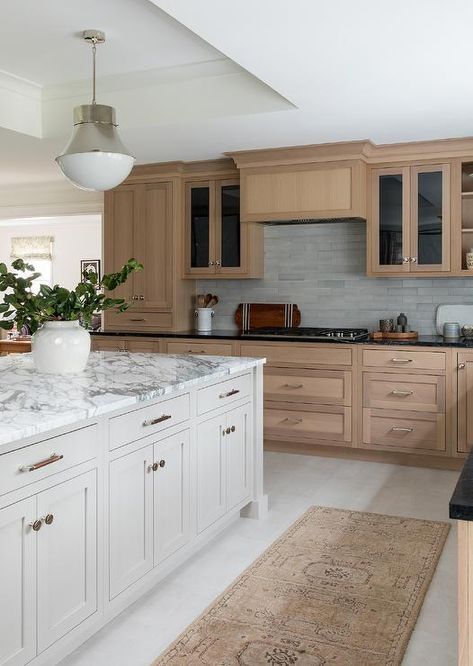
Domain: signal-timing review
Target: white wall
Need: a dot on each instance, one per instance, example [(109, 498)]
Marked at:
[(76, 237)]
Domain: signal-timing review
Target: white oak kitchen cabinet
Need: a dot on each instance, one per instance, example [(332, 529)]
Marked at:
[(98, 504)]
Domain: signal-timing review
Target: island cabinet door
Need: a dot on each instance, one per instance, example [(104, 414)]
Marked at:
[(211, 471), (67, 557), (131, 518), (17, 583), (171, 495), (237, 439), (465, 401)]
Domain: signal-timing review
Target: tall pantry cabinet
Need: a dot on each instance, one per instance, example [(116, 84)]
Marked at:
[(142, 219)]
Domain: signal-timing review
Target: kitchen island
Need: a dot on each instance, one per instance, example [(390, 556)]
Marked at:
[(110, 479)]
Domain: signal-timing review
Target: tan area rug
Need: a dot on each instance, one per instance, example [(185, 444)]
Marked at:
[(339, 588)]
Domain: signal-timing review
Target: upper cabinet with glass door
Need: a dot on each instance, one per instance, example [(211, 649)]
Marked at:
[(218, 244), (409, 220)]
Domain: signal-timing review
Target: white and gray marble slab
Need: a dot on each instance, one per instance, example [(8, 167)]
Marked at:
[(32, 403)]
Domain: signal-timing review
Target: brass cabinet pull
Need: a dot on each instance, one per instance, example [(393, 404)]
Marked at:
[(135, 298), (290, 419), (230, 393), (211, 263), (142, 298), (137, 319), (54, 457), (233, 428), (461, 366), (414, 260), (400, 393), (228, 431), (401, 360), (193, 351), (293, 386), (406, 260), (401, 429), (218, 263), (162, 463), (159, 419), (153, 467), (49, 519)]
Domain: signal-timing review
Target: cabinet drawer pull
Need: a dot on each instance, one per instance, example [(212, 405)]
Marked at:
[(290, 419), (401, 429), (293, 386), (195, 351), (401, 360), (230, 393), (400, 393), (54, 457), (159, 419), (137, 319)]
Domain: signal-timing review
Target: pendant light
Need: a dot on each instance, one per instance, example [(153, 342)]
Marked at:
[(95, 159)]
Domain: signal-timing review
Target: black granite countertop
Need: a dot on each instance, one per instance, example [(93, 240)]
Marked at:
[(421, 341), (461, 502)]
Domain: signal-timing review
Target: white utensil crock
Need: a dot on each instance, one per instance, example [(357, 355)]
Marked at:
[(204, 319), (60, 347)]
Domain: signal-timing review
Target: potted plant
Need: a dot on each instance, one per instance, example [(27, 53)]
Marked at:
[(54, 315)]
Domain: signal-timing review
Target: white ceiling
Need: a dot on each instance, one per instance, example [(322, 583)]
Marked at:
[(191, 80)]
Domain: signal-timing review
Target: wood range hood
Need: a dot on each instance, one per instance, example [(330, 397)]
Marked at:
[(324, 182)]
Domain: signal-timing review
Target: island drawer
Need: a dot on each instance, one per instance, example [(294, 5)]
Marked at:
[(132, 320), (321, 422), (404, 430), (404, 360), (38, 461), (420, 393), (323, 387), (223, 394), (148, 420), (289, 354), (198, 347)]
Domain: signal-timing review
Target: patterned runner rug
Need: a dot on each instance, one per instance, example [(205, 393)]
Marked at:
[(339, 588)]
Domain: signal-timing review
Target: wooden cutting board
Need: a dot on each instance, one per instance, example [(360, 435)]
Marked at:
[(251, 316)]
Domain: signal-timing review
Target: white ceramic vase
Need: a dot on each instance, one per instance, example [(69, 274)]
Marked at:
[(60, 347)]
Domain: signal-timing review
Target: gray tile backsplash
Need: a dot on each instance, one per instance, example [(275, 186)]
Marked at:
[(322, 268)]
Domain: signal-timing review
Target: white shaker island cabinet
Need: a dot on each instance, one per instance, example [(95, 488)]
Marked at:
[(112, 478)]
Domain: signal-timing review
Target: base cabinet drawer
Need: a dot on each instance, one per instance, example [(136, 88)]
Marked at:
[(290, 354), (223, 394), (195, 346), (38, 461), (148, 420), (404, 360), (325, 387), (404, 431), (420, 393), (320, 423)]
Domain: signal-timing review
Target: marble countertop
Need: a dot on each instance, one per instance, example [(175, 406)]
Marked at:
[(32, 403), (461, 502), (421, 341)]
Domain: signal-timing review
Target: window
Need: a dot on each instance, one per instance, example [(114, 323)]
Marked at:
[(36, 250)]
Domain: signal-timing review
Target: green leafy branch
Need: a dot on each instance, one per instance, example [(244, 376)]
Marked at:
[(25, 308)]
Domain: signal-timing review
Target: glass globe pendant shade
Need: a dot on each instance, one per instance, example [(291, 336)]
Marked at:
[(95, 159)]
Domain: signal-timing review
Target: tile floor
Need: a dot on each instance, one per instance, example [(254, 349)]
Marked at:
[(293, 482)]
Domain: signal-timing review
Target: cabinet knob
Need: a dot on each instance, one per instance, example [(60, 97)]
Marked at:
[(36, 526), (233, 428), (406, 260), (153, 467), (461, 366), (414, 260), (223, 432), (228, 431), (218, 263), (49, 519), (134, 298), (211, 263), (162, 463), (142, 298)]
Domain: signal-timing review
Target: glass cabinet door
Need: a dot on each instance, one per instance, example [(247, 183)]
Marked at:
[(390, 191), (430, 223), (199, 205), (228, 226)]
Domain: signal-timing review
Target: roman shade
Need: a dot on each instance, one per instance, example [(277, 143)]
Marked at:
[(32, 247)]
